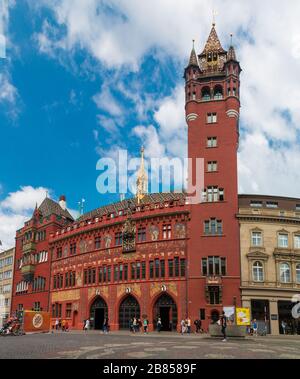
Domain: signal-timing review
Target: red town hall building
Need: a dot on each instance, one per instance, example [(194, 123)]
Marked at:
[(154, 256)]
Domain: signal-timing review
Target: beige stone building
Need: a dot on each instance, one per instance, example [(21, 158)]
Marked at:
[(270, 260), (6, 278)]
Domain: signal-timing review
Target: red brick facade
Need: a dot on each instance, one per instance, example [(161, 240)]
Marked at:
[(169, 271)]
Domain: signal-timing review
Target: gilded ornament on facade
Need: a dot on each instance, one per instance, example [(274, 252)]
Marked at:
[(129, 236)]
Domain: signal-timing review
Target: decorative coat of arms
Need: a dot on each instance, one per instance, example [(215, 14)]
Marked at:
[(107, 241), (129, 236), (154, 232), (180, 231)]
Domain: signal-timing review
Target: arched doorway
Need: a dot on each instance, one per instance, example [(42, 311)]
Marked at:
[(129, 309), (99, 311), (166, 308)]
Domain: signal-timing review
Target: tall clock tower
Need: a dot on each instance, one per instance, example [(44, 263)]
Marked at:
[(212, 114)]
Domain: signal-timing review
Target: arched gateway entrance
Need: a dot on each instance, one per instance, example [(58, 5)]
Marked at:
[(129, 309), (99, 311), (166, 308)]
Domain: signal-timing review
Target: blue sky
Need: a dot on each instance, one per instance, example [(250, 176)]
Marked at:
[(83, 78)]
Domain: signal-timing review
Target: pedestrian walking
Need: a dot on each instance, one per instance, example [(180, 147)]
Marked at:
[(134, 325), (87, 325), (159, 325), (84, 321), (223, 322), (105, 326), (189, 325), (145, 323), (131, 325), (283, 325), (197, 324), (255, 328), (56, 324), (182, 324), (63, 325)]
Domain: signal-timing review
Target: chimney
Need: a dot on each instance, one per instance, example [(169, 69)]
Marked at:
[(62, 202)]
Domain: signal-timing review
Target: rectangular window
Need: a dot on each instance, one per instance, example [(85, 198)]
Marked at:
[(212, 142), (212, 118), (138, 271), (68, 310), (214, 295), (142, 235), (162, 269), (133, 271), (121, 273), (157, 268), (67, 280), (223, 266), (256, 239), (151, 269), (59, 252), (176, 264), (297, 242), (85, 277), (256, 204), (171, 268), (118, 239), (109, 274), (167, 232), (204, 267), (202, 314), (271, 204), (212, 166), (283, 240), (98, 243), (125, 273), (182, 268), (143, 270), (100, 275), (213, 227), (116, 273), (73, 249)]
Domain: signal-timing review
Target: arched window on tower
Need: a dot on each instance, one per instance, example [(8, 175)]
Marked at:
[(205, 94), (218, 93)]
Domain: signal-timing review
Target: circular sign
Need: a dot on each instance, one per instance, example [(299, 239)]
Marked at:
[(37, 321)]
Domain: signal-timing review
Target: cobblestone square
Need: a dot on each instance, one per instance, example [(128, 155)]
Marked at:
[(94, 345)]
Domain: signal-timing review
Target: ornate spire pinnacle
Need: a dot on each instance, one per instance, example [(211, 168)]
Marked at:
[(193, 58), (142, 179), (231, 51), (213, 44)]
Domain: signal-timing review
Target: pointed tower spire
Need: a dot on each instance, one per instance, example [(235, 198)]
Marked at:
[(213, 44), (193, 58), (142, 179), (231, 51)]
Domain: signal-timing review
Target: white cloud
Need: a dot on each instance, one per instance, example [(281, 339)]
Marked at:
[(8, 93), (107, 102), (17, 208), (267, 35)]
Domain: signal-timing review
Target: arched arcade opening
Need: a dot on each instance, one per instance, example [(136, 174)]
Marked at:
[(166, 309)]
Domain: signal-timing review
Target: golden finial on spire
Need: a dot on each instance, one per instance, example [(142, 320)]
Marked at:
[(142, 179), (215, 14)]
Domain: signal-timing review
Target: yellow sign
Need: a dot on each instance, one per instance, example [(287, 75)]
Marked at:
[(243, 316)]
